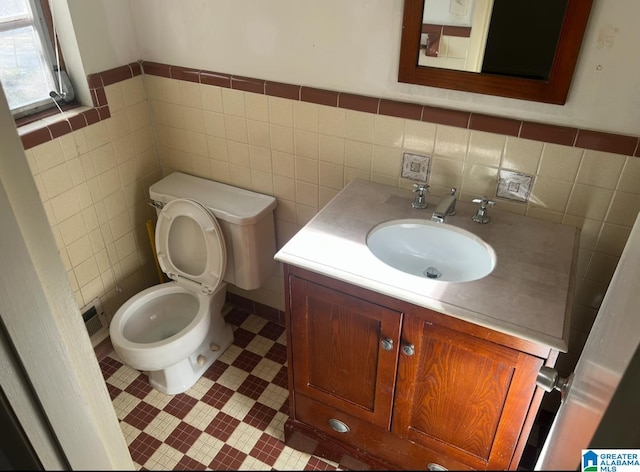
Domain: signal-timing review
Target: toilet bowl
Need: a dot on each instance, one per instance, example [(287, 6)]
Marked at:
[(175, 330), (158, 328)]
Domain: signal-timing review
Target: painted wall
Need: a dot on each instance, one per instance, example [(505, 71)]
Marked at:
[(353, 47)]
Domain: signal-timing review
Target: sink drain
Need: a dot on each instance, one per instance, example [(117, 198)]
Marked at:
[(432, 272)]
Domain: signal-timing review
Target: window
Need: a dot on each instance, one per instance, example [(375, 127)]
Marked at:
[(30, 70)]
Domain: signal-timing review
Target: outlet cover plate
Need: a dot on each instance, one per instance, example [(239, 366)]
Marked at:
[(416, 167), (514, 186)]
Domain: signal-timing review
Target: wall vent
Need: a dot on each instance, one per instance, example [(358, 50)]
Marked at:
[(95, 321)]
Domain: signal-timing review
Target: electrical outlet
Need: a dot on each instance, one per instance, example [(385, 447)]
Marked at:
[(416, 167), (514, 186)]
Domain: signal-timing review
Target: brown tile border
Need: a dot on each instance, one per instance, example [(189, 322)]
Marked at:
[(36, 137), (247, 84), (257, 308), (607, 142), (494, 124), (444, 116), (277, 89), (319, 96), (409, 111), (214, 78), (358, 102), (548, 133), (182, 73), (563, 135), (459, 31)]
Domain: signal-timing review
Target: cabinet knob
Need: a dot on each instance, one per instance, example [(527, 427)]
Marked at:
[(387, 344), (408, 349), (548, 379), (338, 426), (432, 466)]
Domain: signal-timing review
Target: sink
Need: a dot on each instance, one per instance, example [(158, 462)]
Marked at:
[(431, 250)]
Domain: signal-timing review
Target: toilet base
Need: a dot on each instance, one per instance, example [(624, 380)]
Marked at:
[(181, 376)]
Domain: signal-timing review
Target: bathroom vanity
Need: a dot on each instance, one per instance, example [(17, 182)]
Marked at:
[(397, 371)]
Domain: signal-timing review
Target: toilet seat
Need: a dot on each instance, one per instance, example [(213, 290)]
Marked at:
[(190, 245)]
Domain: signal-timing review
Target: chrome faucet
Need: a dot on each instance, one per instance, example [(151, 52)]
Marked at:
[(420, 201), (446, 207), (481, 214)]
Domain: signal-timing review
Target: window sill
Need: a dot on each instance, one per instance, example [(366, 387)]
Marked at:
[(58, 124)]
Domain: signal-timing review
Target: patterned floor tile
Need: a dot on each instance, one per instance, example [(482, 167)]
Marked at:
[(231, 419)]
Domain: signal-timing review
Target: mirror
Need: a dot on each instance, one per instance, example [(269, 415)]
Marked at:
[(461, 45)]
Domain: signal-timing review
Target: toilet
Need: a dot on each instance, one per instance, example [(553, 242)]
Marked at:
[(208, 234)]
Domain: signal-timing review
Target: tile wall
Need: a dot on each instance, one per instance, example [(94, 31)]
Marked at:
[(93, 182), (303, 145)]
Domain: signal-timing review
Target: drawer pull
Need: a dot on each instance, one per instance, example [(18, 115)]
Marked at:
[(387, 344), (432, 466), (338, 426)]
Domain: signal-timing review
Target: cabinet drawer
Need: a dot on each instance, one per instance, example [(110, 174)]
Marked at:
[(368, 437)]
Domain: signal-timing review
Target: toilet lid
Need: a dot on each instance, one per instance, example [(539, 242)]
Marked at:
[(190, 245)]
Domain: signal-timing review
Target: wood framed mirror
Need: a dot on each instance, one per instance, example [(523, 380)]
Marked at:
[(551, 86)]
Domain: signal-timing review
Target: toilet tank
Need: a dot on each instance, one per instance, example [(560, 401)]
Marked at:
[(245, 217)]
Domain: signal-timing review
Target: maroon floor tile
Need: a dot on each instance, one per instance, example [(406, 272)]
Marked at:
[(277, 353), (217, 396), (272, 331), (113, 391), (228, 458), (216, 370), (242, 337), (109, 366), (222, 426), (252, 387), (282, 378), (183, 437), (188, 463), (267, 449), (259, 416), (180, 405), (247, 361), (142, 415), (140, 387), (143, 447), (318, 464)]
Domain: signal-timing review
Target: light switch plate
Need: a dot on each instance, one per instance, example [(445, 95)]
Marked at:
[(514, 186), (416, 167)]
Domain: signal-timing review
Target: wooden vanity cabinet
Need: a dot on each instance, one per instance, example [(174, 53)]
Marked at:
[(395, 386)]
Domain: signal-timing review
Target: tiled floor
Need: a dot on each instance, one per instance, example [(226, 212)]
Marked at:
[(232, 418)]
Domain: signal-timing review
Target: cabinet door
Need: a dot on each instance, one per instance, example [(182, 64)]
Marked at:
[(338, 354), (461, 395)]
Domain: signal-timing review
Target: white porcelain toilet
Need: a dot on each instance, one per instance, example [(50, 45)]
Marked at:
[(208, 234)]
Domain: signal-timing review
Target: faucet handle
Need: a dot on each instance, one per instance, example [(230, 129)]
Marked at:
[(484, 201), (481, 214), (421, 188), (453, 190), (420, 202)]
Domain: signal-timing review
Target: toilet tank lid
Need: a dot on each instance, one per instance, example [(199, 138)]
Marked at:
[(228, 203)]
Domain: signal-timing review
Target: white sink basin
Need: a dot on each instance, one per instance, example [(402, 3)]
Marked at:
[(431, 250)]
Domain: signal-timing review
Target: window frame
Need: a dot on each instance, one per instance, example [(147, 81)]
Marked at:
[(43, 23)]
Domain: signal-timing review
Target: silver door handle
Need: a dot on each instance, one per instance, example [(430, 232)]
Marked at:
[(548, 380)]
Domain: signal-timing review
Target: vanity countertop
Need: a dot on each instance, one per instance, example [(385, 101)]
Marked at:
[(527, 295)]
